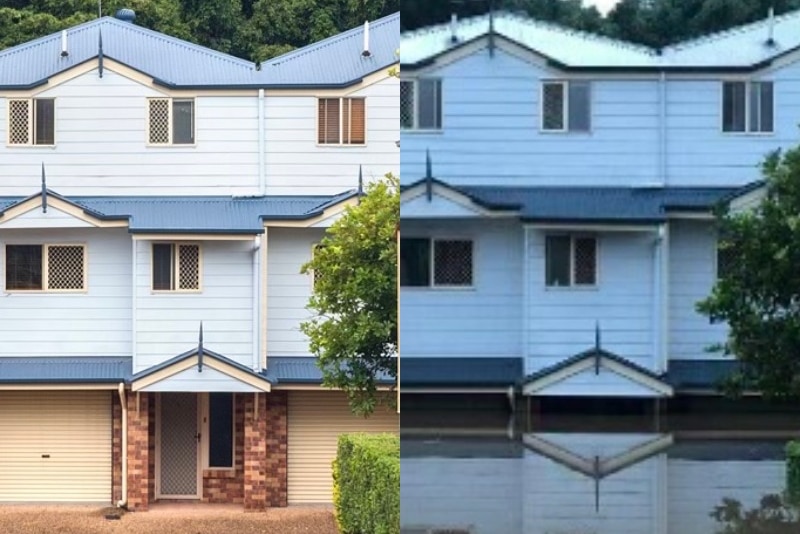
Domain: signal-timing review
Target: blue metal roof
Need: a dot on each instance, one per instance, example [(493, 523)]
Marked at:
[(65, 370), (336, 61), (741, 48), (704, 375), (592, 204), (198, 214), (193, 352), (595, 353), (299, 370), (459, 372)]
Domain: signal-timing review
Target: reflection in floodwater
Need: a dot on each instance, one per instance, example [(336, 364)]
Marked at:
[(499, 481)]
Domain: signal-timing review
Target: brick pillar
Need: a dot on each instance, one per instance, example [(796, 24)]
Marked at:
[(277, 452), (139, 472), (255, 448), (116, 448)]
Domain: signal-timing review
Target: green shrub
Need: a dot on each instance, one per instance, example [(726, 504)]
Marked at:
[(793, 471), (366, 484)]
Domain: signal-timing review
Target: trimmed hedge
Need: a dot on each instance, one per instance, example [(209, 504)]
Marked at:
[(793, 471), (366, 484)]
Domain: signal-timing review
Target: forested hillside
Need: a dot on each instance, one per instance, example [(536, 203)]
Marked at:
[(651, 22), (250, 29)]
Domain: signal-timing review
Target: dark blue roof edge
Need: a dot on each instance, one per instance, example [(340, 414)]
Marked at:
[(196, 231), (552, 62), (588, 354), (123, 380), (573, 220), (309, 381), (188, 354), (50, 192), (752, 186), (480, 202)]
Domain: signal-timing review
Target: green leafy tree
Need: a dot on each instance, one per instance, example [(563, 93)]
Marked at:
[(759, 295), (354, 332)]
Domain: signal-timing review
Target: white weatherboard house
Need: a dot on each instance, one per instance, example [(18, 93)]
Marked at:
[(558, 189), (157, 202)]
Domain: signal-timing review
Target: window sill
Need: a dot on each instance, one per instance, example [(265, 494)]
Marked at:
[(176, 292), (438, 288), (219, 472), (571, 288), (748, 134), (588, 133), (341, 145), (422, 131), (42, 147), (48, 292), (181, 145)]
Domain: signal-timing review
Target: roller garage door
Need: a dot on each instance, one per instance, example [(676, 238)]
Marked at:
[(316, 418), (55, 446)]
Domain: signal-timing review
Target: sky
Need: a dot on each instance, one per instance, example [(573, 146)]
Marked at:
[(603, 5)]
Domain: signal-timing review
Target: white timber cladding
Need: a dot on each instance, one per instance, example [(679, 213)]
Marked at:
[(295, 164), (315, 421), (168, 322), (288, 289), (55, 446), (33, 323), (102, 145)]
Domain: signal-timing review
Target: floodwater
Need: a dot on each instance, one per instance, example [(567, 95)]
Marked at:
[(689, 468)]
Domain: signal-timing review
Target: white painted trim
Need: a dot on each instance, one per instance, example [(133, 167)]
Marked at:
[(748, 131), (526, 295), (454, 196), (541, 383), (664, 292)]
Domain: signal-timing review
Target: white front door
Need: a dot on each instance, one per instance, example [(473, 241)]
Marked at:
[(178, 474)]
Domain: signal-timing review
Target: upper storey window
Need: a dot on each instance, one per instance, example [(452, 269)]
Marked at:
[(31, 121), (170, 121), (45, 267), (747, 107), (421, 104), (566, 106), (341, 121)]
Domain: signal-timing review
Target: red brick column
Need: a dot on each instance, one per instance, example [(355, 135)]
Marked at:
[(265, 453), (255, 448), (139, 471), (277, 452)]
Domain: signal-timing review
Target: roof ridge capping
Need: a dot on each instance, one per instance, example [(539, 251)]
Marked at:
[(742, 28), (527, 19), (333, 39)]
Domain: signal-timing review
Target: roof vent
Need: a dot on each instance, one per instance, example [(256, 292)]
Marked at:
[(366, 51), (126, 15), (771, 35), (453, 26), (64, 51)]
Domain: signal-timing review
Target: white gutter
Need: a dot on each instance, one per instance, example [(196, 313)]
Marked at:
[(662, 125), (123, 403), (262, 184), (256, 308)]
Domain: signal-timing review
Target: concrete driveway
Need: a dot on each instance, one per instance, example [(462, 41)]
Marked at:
[(166, 518)]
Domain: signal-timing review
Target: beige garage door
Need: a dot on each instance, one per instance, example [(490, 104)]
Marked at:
[(55, 446), (315, 421)]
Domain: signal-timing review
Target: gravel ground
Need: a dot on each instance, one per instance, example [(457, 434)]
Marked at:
[(90, 520)]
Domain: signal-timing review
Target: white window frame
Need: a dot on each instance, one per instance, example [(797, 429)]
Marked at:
[(572, 285), (341, 142), (415, 113), (565, 109), (31, 122), (171, 142), (46, 269), (205, 433), (176, 267), (747, 104)]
